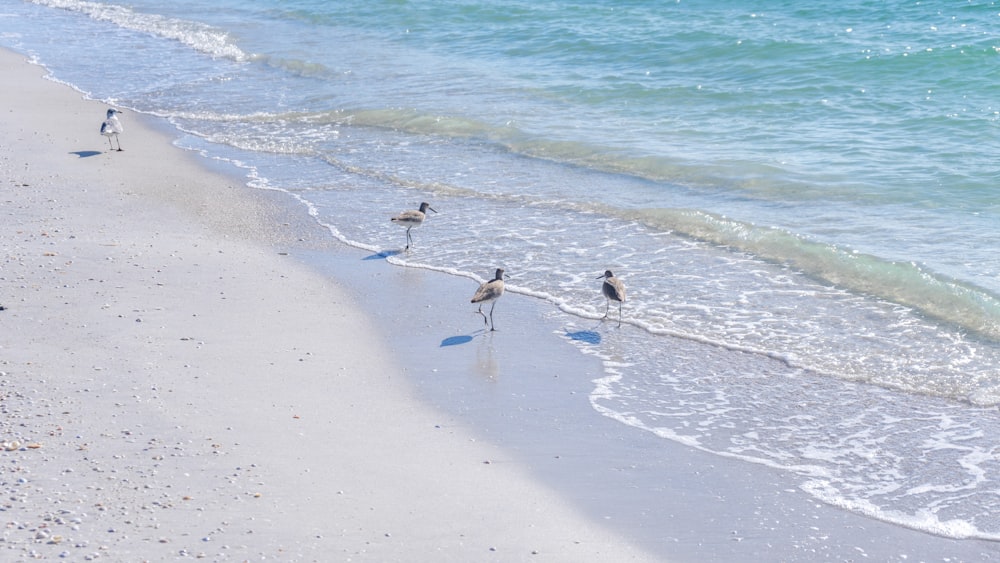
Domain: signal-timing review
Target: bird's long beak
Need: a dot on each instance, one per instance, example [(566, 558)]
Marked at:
[(432, 209), (600, 276)]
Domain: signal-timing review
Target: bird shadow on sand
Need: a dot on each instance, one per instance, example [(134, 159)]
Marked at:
[(585, 336), (85, 154), (382, 255), (456, 340), (463, 338)]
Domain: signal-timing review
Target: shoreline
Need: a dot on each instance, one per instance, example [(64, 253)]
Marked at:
[(145, 321), (169, 400)]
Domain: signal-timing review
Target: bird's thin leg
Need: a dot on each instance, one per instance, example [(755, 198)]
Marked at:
[(480, 311), (607, 307), (409, 238), (619, 314), (110, 144), (492, 326)]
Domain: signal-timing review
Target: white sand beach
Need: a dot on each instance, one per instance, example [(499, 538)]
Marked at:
[(191, 369)]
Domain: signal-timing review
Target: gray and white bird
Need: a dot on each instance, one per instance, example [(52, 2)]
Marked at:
[(412, 218), (613, 289), (489, 292), (112, 128)]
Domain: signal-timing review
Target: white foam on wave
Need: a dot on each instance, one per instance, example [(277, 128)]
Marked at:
[(820, 479), (917, 462), (986, 396), (201, 37), (924, 520)]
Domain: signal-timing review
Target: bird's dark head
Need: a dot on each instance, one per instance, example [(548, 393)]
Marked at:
[(499, 275), (425, 206), (607, 274)]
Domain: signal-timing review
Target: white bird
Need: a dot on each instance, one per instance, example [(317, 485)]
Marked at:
[(112, 127), (489, 292), (412, 218), (613, 288)]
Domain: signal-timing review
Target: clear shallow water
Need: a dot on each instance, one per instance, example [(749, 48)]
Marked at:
[(801, 199)]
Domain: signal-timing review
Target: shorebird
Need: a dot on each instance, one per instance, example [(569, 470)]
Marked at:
[(412, 218), (613, 288), (489, 292), (112, 127)]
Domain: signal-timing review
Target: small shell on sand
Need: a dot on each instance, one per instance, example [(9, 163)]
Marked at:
[(11, 446)]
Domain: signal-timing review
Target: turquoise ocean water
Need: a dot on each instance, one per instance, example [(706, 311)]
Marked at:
[(802, 197)]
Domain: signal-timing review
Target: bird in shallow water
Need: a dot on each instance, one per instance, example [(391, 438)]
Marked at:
[(613, 289), (412, 218), (489, 292), (112, 128)]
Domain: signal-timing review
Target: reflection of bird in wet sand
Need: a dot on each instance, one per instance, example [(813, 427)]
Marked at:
[(412, 218), (489, 292), (613, 288), (112, 127)]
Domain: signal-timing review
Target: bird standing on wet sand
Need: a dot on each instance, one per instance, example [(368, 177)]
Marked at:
[(412, 218), (613, 288), (489, 292), (112, 127)]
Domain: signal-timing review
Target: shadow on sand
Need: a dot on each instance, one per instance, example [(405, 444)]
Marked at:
[(382, 255), (463, 338), (85, 154), (588, 336), (456, 340)]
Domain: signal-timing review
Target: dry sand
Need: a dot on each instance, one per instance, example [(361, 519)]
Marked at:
[(172, 386)]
